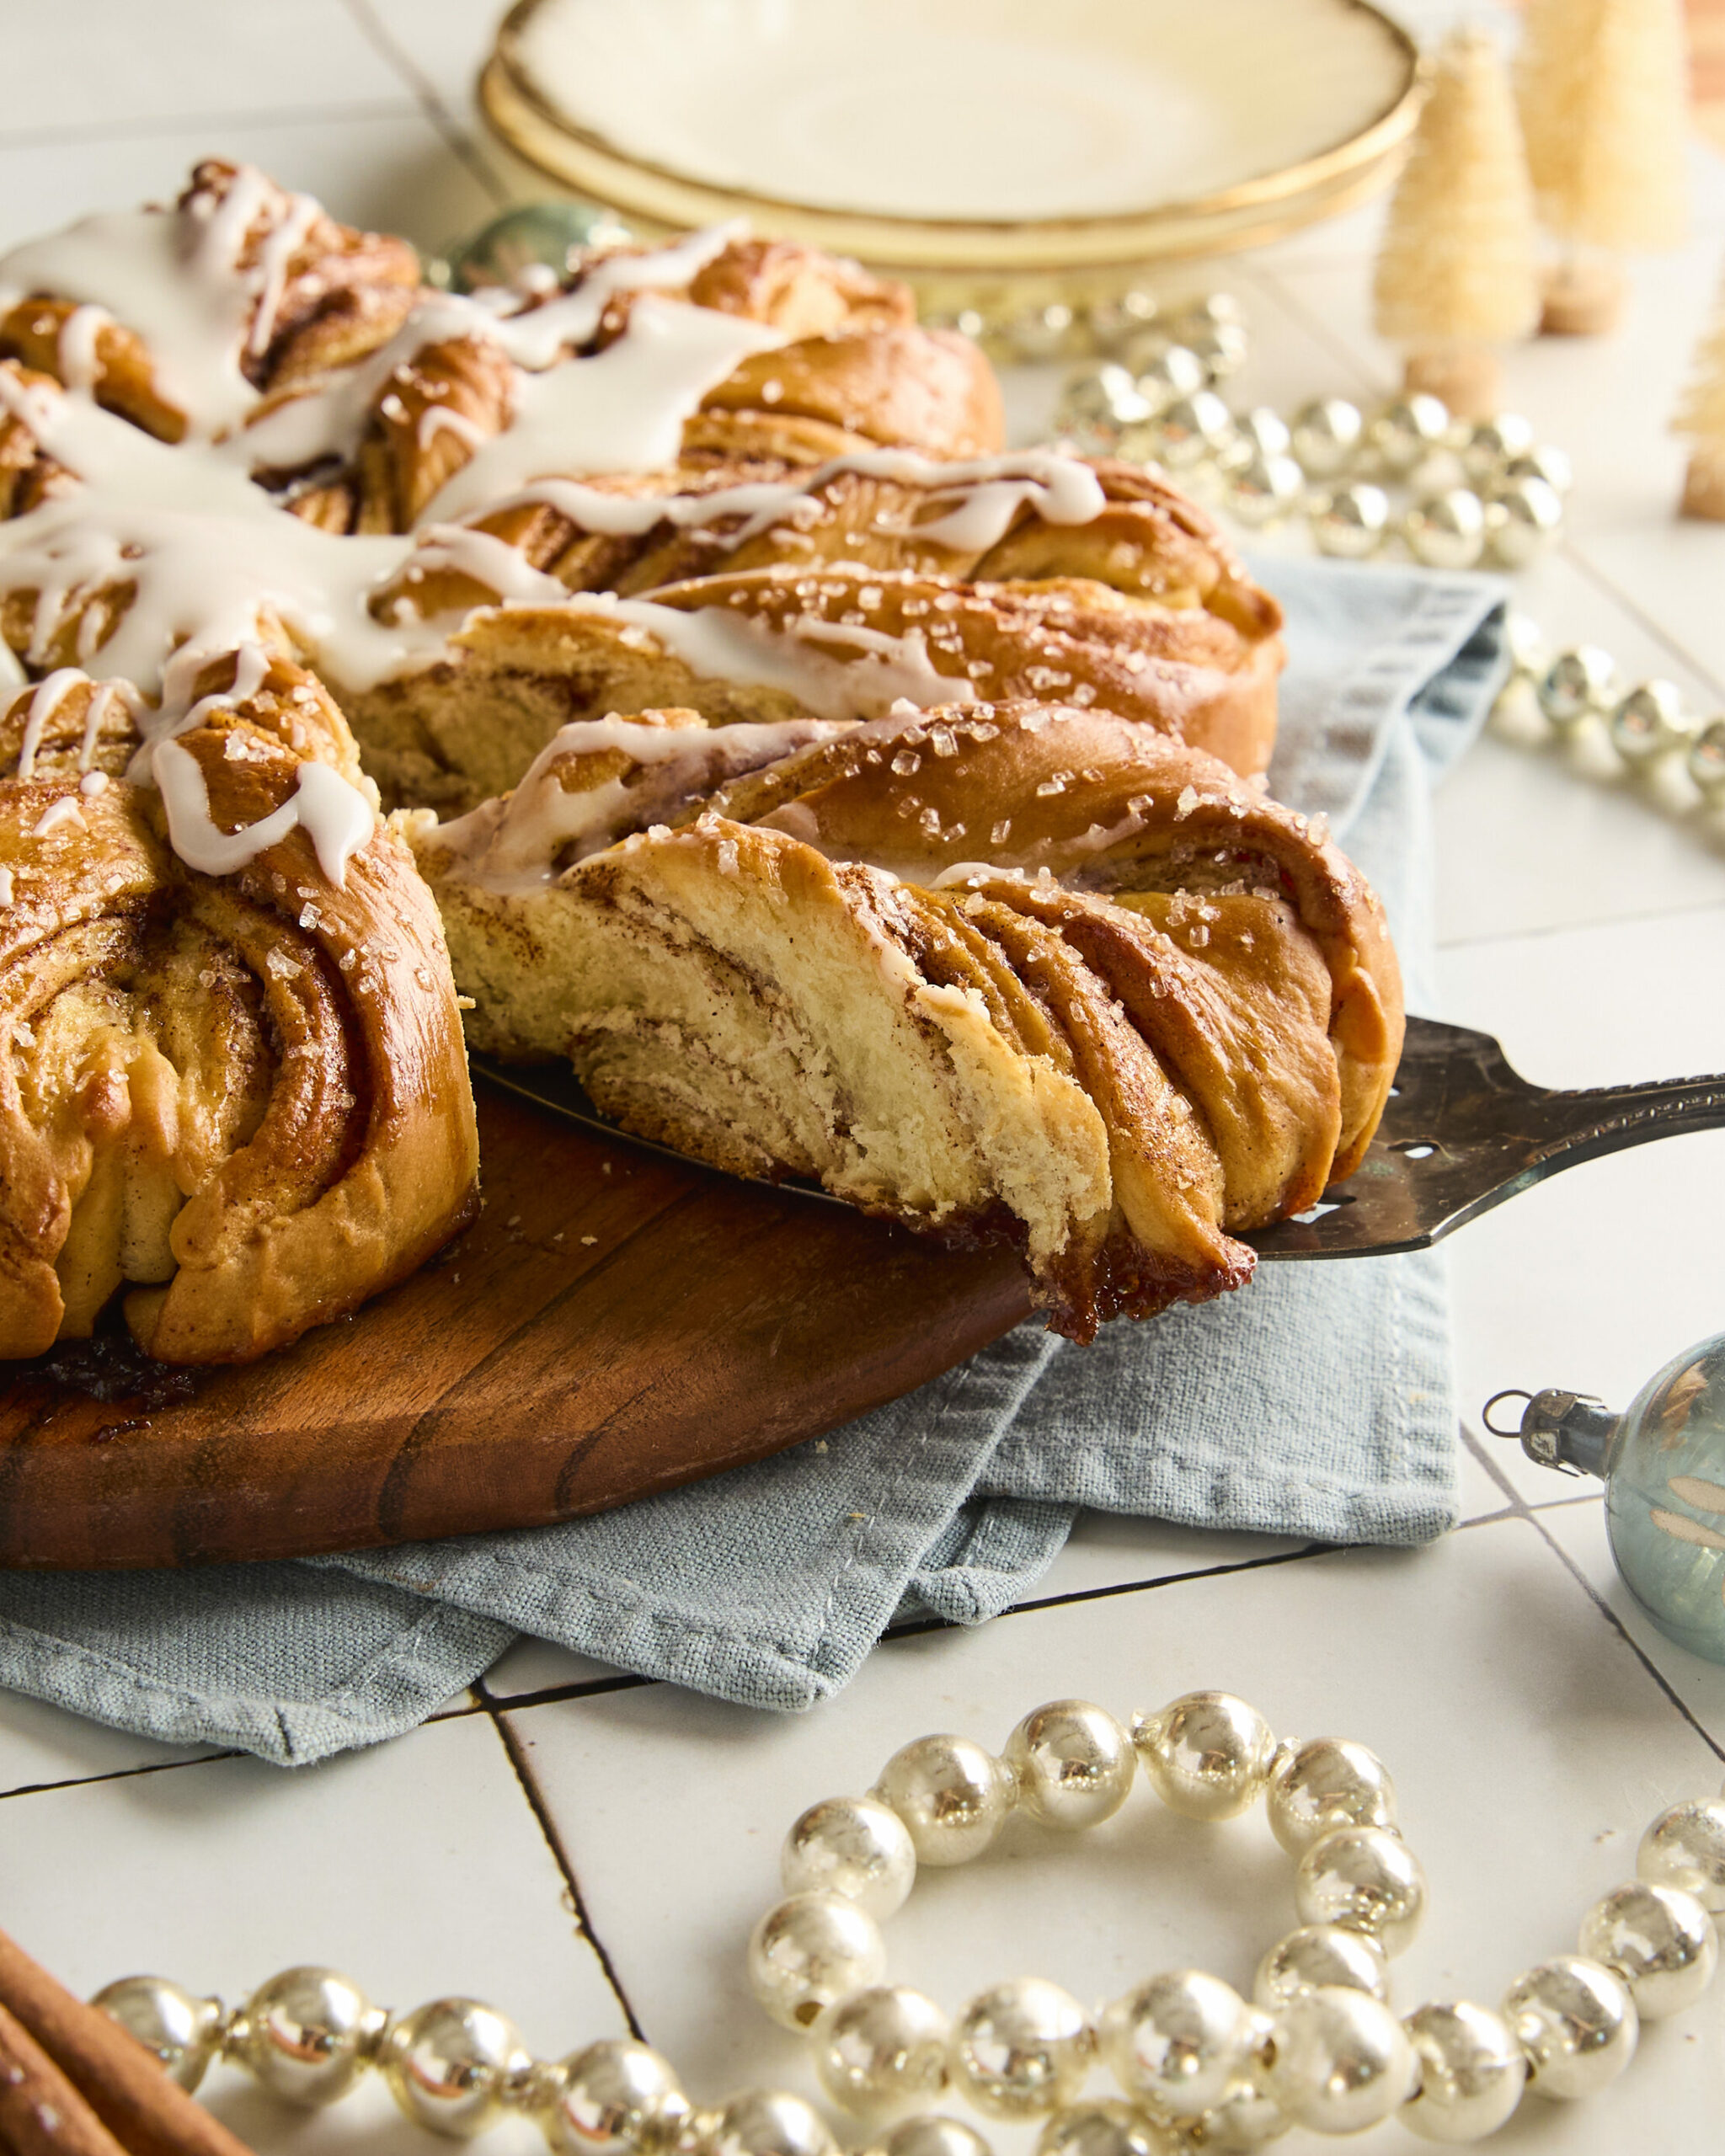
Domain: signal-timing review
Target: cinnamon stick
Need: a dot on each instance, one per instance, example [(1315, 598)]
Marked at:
[(141, 2106), (41, 2113)]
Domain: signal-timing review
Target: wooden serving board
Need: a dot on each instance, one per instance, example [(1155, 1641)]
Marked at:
[(617, 1322)]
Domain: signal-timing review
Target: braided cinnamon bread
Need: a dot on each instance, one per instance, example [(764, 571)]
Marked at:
[(232, 1087), (1007, 970), (911, 874)]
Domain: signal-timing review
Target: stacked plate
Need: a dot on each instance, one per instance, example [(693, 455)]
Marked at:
[(982, 146)]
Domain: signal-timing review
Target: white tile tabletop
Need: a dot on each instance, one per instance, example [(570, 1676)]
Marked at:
[(585, 1849)]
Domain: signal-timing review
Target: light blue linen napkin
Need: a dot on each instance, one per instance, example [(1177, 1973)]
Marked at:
[(1318, 1402)]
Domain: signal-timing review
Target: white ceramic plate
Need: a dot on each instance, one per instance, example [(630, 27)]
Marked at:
[(937, 130)]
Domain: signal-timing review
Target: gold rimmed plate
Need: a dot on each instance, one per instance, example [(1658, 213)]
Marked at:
[(993, 138)]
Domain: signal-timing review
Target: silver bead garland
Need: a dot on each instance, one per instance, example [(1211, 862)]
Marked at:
[(1487, 492), (1201, 2067), (1647, 723), (1198, 2065)]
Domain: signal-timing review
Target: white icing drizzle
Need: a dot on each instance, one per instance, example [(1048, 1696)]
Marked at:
[(75, 347), (716, 643), (334, 815), (444, 419), (535, 338), (487, 560), (173, 277), (274, 257), (620, 410), (5, 887), (513, 842), (987, 493), (66, 810), (51, 693), (93, 783)]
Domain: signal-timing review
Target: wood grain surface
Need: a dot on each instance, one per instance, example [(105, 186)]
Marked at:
[(617, 1323)]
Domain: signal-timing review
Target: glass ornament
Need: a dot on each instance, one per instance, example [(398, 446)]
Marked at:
[(538, 236), (1662, 1463)]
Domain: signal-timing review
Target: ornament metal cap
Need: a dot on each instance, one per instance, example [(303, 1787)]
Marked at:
[(1571, 1431)]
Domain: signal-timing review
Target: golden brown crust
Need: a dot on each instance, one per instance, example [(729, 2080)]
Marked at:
[(1144, 611), (241, 1100), (1100, 805)]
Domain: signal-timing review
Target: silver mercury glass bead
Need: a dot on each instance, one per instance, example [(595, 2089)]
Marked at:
[(1020, 2048), (1578, 683), (1192, 429), (933, 2133), (613, 2098), (1103, 2128), (1686, 1847), (1524, 642), (766, 2122), (1205, 1754), (1487, 447), (1649, 723), (306, 2035), (1321, 1954), (806, 1952), (1210, 310), (1177, 2042), (1406, 431), (855, 1846), (1350, 524), (1099, 403), (881, 2052), (1366, 1880), (1223, 348), (1321, 1782), (1472, 2072), (1111, 321), (1523, 518), (1263, 490), (1706, 762), (952, 1795), (1264, 432), (1073, 1764), (1576, 2023), (1448, 531), (1543, 461), (1340, 2061), (181, 2029), (1326, 434), (1166, 373), (1660, 1941), (451, 2062)]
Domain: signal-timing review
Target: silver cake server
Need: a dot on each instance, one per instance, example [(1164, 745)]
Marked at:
[(1462, 1131)]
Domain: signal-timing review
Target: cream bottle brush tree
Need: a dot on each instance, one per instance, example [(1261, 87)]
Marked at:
[(1457, 271), (1700, 417), (1605, 111)]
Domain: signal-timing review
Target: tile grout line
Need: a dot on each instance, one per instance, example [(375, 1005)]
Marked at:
[(1574, 552), (48, 138), (1343, 353), (919, 1627), (1520, 1508), (1623, 1633), (1581, 927), (430, 100), (583, 1688), (122, 1773), (517, 1756)]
